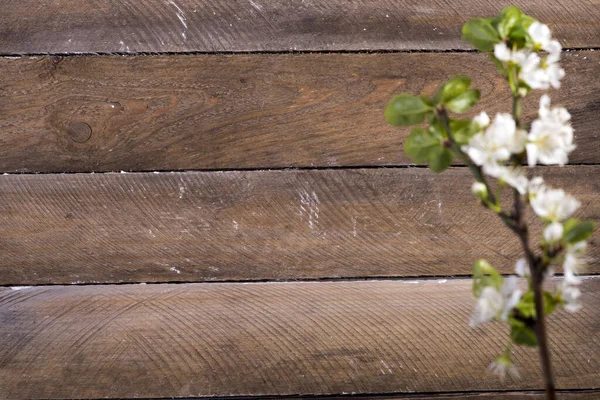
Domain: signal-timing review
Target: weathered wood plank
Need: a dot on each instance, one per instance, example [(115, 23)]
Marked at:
[(198, 226), (244, 111), (164, 340), (503, 395), (28, 26)]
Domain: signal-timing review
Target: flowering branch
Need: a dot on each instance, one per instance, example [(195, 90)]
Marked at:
[(497, 149)]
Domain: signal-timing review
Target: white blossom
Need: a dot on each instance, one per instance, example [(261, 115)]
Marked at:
[(551, 137), (542, 37), (553, 205), (570, 297), (535, 185), (553, 232), (513, 176), (479, 189), (501, 366), (496, 144), (503, 53), (496, 304), (541, 73), (522, 268), (574, 262), (482, 120)]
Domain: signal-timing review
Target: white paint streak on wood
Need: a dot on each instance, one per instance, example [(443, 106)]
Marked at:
[(181, 16), (309, 203), (256, 5)]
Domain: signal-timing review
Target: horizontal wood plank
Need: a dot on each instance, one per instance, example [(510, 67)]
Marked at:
[(196, 226), (500, 395), (244, 111), (55, 26), (165, 341)]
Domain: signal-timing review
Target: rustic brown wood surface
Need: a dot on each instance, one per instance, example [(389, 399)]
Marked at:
[(129, 26), (289, 224), (271, 339), (243, 111), (500, 395)]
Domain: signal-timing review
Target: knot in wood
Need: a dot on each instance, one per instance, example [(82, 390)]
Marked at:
[(80, 132)]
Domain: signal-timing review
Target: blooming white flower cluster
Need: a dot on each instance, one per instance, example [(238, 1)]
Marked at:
[(536, 72), (549, 142), (494, 145), (554, 206), (496, 304), (551, 137)]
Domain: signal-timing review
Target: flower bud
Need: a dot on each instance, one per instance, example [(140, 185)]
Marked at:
[(479, 190), (553, 232)]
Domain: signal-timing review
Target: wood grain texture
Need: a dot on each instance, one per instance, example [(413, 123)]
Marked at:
[(30, 26), (198, 226), (501, 395), (271, 339), (244, 111)]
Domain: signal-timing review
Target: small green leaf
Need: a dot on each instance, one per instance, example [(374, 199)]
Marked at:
[(485, 275), (526, 21), (462, 130), (523, 335), (452, 88), (481, 34), (509, 17), (436, 127), (526, 304), (518, 36), (464, 101), (440, 158), (429, 102), (406, 109), (419, 144), (550, 302), (576, 230)]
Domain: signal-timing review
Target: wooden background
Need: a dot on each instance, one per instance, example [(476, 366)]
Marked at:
[(202, 199)]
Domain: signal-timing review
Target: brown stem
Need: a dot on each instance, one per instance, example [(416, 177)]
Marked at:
[(475, 169), (516, 222), (537, 268)]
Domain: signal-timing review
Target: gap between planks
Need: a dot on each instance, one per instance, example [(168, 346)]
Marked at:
[(262, 52)]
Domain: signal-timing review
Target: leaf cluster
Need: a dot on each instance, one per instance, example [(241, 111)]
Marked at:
[(510, 26), (430, 145)]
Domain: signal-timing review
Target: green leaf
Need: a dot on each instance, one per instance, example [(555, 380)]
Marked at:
[(452, 88), (550, 302), (517, 36), (526, 304), (464, 101), (522, 335), (509, 17), (440, 158), (406, 109), (462, 130), (576, 230), (485, 275), (481, 34), (436, 127), (526, 21), (429, 102), (419, 144)]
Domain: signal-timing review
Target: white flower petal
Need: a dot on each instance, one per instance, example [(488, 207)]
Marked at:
[(501, 52), (553, 232), (522, 268)]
